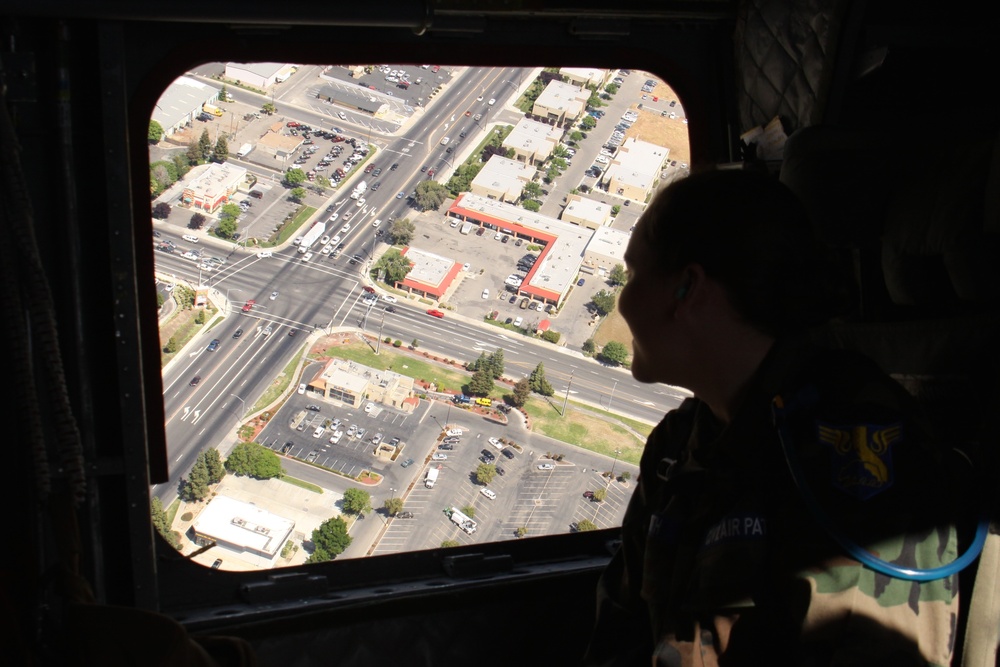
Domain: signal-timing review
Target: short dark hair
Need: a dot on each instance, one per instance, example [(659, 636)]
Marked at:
[(751, 234)]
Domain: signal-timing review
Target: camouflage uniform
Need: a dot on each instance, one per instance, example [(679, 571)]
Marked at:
[(722, 563)]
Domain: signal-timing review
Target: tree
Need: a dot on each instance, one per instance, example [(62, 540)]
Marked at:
[(532, 205), (604, 301), (522, 531), (616, 209), (294, 177), (213, 463), (552, 174), (193, 153), (449, 543), (538, 382), (221, 152), (614, 352), (600, 495), (531, 190), (462, 178), (611, 89), (223, 94), (576, 136), (226, 228), (485, 473), (588, 122), (393, 265), (401, 232), (490, 150), (496, 363), (559, 151), (551, 336), (469, 511), (559, 163), (357, 501), (155, 132), (268, 108), (618, 275), (393, 506), (195, 487), (322, 183), (626, 475), (204, 147), (297, 194), (254, 460), (585, 526), (481, 383), (521, 392), (161, 211), (162, 523), (181, 164), (430, 195), (329, 540)]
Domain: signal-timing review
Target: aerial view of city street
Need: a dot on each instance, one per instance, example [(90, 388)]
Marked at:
[(387, 304)]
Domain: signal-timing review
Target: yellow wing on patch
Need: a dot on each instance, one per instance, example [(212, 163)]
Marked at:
[(839, 438)]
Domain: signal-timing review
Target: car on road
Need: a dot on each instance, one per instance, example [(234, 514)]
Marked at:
[(194, 381), (292, 332), (214, 345), (433, 312), (489, 493), (394, 167), (478, 116), (302, 388), (388, 298), (190, 238), (265, 253), (492, 101), (546, 466), (313, 408), (437, 456), (237, 333), (407, 463), (390, 309), (274, 295), (248, 306)]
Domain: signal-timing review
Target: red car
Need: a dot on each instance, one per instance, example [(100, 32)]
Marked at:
[(291, 123), (369, 289), (248, 306), (435, 313)]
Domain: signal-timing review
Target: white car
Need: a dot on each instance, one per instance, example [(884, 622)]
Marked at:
[(369, 407), (497, 236), (437, 456), (489, 493), (306, 257), (190, 255), (361, 201), (265, 253), (346, 228), (302, 388), (342, 115), (324, 240), (337, 435), (496, 443), (376, 223), (335, 239), (320, 430), (274, 295), (388, 298), (479, 99), (601, 159), (492, 101), (486, 294), (465, 267), (191, 238), (546, 466), (454, 432), (333, 218), (326, 249)]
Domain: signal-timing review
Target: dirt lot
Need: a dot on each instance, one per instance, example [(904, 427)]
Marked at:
[(662, 131)]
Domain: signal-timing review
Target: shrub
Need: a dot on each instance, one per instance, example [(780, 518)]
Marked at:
[(397, 343), (187, 516)]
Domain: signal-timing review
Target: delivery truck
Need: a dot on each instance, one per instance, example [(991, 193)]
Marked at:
[(430, 478)]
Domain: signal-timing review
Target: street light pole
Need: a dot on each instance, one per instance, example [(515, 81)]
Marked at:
[(568, 385), (617, 454), (242, 403), (612, 395), (378, 343)]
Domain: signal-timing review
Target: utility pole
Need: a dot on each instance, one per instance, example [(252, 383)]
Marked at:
[(612, 395), (378, 343), (568, 385)]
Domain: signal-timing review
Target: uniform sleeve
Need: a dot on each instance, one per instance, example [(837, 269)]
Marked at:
[(622, 634)]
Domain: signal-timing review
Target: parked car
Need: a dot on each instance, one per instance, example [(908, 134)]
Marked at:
[(407, 463), (454, 432), (437, 456), (546, 466), (489, 493)]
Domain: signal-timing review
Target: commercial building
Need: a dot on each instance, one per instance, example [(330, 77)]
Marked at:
[(352, 97), (258, 75), (563, 244), (531, 141), (635, 170), (275, 142), (502, 179), (181, 103), (585, 76), (430, 274), (605, 250), (588, 213), (355, 384), (560, 103), (213, 187), (242, 527)]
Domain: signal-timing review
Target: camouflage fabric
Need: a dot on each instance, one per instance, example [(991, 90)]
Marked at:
[(723, 563)]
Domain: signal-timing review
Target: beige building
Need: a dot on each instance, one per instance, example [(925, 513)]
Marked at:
[(586, 212), (502, 179), (605, 250), (585, 76), (635, 169), (213, 187), (532, 142), (259, 75), (275, 143), (242, 528), (560, 103), (354, 384)]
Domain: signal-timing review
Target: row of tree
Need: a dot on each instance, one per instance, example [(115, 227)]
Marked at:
[(164, 173)]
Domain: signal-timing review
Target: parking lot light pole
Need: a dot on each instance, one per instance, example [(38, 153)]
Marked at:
[(617, 454)]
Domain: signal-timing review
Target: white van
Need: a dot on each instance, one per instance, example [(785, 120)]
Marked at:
[(265, 253), (190, 238)]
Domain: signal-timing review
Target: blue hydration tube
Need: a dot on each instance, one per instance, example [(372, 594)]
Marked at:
[(853, 548)]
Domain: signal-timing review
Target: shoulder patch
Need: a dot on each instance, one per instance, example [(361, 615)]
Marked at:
[(860, 456)]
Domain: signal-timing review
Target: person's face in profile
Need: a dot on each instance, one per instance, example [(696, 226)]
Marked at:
[(647, 303)]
